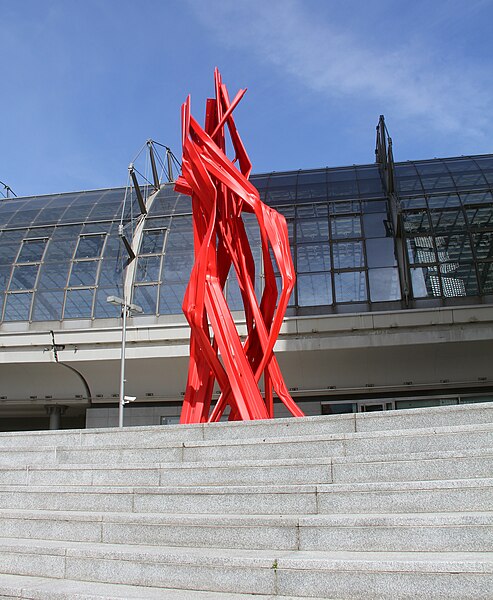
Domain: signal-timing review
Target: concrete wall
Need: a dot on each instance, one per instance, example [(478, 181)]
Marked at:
[(330, 356)]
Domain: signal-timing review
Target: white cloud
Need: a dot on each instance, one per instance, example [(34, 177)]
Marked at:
[(414, 80)]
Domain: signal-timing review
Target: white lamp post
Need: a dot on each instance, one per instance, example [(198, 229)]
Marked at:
[(127, 310)]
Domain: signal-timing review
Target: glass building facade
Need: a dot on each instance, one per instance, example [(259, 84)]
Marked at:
[(356, 247)]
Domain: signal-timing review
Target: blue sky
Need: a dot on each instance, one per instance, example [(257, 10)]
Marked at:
[(84, 84)]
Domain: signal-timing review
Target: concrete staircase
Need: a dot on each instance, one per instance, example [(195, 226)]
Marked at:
[(387, 505)]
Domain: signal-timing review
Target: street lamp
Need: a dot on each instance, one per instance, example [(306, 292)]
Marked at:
[(127, 310)]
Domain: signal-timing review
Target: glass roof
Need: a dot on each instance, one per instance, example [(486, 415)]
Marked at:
[(61, 255)]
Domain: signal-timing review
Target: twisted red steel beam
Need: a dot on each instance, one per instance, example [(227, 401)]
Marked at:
[(221, 193)]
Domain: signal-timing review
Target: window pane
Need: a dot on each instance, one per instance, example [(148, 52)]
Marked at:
[(486, 277), (348, 255), (435, 176), (307, 211), (148, 269), (252, 229), (486, 165), (312, 191), (422, 286), (152, 242), (481, 216), (313, 257), (83, 273), (370, 187), (53, 275), (24, 277), (312, 231), (483, 243), (78, 304), (114, 247), (314, 290), (453, 287), (443, 201), (32, 251), (48, 305), (62, 244), (384, 285), (476, 198), (374, 206), (345, 227), (4, 277), (102, 308), (350, 287), (380, 252), (177, 266), (462, 281), (454, 248), (8, 251), (375, 225), (110, 273), (286, 211), (445, 221), (18, 306), (421, 250), (470, 180), (90, 246), (74, 214), (23, 217), (340, 208), (171, 298), (342, 183), (416, 222), (233, 294), (180, 233), (146, 297), (408, 185), (413, 203)]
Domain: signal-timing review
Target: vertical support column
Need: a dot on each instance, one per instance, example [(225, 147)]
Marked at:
[(385, 160), (55, 412), (121, 403)]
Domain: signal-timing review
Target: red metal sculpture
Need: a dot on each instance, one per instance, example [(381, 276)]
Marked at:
[(220, 193)]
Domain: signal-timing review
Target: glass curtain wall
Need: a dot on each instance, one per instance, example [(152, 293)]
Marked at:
[(447, 217), (61, 256)]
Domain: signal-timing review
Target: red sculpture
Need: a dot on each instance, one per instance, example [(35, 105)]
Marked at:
[(220, 193)]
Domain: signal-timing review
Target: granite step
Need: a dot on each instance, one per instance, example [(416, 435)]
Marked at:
[(416, 418), (381, 442), (437, 532), (21, 587), (284, 471), (328, 445), (348, 498), (345, 575), (462, 464)]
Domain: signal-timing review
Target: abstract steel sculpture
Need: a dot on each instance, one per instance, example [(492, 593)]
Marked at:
[(220, 193)]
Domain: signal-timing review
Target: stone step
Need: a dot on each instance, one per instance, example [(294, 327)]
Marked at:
[(15, 587), (416, 418), (381, 442), (286, 471), (420, 496), (419, 466), (345, 575), (429, 439), (463, 464), (329, 445), (422, 532), (437, 532)]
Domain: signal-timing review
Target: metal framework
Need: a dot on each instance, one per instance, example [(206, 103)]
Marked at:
[(220, 193)]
